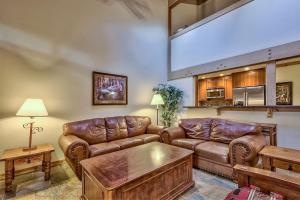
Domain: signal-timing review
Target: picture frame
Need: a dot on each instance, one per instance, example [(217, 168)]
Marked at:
[(284, 93), (110, 89)]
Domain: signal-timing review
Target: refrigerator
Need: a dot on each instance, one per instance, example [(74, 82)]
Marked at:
[(249, 96)]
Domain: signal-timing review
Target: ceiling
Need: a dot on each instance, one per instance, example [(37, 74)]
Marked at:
[(229, 72), (280, 63)]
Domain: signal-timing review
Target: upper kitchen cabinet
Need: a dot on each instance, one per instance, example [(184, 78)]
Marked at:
[(224, 83), (228, 87), (202, 87), (214, 83), (249, 78)]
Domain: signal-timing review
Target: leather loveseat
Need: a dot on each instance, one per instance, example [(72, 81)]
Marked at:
[(94, 137), (218, 144)]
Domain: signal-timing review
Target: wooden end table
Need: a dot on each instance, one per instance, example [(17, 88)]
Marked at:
[(278, 157), (10, 155)]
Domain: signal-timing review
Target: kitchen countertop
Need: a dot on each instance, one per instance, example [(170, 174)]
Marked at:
[(269, 109)]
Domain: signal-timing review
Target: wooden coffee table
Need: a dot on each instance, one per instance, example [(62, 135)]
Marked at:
[(278, 157), (150, 171)]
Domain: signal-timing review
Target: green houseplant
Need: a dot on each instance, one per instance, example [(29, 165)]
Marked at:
[(173, 98)]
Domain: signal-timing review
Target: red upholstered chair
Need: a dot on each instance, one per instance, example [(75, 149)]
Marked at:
[(255, 183)]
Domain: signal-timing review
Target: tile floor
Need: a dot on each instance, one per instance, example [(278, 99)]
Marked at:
[(64, 185)]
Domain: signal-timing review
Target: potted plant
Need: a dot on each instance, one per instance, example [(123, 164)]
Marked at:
[(173, 98)]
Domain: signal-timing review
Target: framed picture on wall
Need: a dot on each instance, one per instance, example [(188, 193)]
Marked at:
[(284, 93), (109, 89)]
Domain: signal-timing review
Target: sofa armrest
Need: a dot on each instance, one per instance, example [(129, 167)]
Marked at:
[(172, 133), (244, 150), (75, 150), (154, 129)]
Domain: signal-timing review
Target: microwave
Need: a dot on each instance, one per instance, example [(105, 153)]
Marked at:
[(215, 93)]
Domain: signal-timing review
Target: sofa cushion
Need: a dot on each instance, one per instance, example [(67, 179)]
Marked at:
[(93, 131), (148, 138), (225, 130), (215, 151), (137, 125), (197, 128), (116, 128), (103, 148), (187, 143), (128, 142)]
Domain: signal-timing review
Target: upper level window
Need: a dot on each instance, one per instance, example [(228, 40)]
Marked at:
[(184, 13)]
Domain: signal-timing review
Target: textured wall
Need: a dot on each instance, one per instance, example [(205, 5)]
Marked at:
[(290, 74), (182, 15), (49, 48)]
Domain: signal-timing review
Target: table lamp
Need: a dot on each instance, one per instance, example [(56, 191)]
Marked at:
[(157, 100), (32, 108)]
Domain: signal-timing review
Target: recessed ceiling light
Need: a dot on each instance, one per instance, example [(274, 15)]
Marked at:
[(247, 68), (221, 74), (203, 77)]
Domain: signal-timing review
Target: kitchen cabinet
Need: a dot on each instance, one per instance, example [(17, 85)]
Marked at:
[(202, 86), (210, 83), (249, 79), (220, 82), (214, 83), (228, 87)]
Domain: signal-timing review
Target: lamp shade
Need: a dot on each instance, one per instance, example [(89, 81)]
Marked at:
[(33, 108), (157, 100)]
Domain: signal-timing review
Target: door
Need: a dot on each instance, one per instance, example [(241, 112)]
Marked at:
[(256, 96), (239, 97)]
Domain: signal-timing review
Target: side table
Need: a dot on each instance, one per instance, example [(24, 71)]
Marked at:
[(279, 157), (10, 155)]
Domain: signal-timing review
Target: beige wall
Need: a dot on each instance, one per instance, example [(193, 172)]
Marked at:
[(49, 48), (182, 15), (290, 74), (212, 6), (188, 14)]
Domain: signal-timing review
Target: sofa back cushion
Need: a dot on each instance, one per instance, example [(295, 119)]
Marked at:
[(93, 131), (137, 125), (225, 130), (197, 128), (116, 128)]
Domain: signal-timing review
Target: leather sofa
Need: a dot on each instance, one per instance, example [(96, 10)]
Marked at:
[(218, 144), (94, 137)]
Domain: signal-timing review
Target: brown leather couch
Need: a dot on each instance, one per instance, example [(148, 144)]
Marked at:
[(218, 144), (94, 137)]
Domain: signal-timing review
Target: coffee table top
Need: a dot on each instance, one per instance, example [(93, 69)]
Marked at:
[(118, 168), (286, 154)]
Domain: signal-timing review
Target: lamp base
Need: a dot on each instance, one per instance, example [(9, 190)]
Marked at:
[(29, 148)]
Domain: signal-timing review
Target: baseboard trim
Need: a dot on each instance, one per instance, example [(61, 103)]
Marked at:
[(36, 167)]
